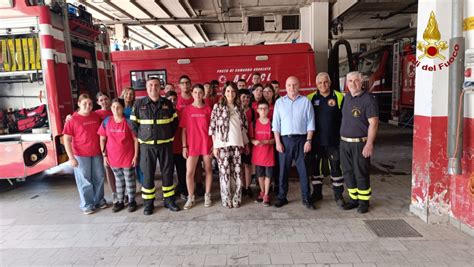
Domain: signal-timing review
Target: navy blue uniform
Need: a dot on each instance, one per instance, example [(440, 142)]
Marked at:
[(356, 113), (325, 145)]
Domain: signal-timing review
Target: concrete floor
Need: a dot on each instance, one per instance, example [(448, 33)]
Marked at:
[(41, 224)]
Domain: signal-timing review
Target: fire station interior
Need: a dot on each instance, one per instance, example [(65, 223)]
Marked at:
[(380, 39)]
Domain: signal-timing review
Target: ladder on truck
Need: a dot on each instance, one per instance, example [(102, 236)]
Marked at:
[(106, 57)]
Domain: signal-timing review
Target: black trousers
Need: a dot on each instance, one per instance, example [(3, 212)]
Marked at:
[(314, 164), (355, 170), (180, 165), (149, 154)]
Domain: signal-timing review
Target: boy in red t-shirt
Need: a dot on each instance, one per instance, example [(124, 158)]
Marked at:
[(119, 147), (195, 120), (263, 151), (244, 96)]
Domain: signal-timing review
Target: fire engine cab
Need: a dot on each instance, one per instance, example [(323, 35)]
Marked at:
[(49, 55)]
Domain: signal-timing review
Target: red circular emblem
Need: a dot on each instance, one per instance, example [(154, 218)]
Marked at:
[(432, 51)]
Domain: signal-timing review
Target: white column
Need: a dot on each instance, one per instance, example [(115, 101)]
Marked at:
[(314, 30)]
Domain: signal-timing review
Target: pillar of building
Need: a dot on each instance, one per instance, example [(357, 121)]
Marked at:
[(314, 30), (437, 196)]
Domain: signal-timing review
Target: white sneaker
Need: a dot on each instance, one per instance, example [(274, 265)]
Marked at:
[(207, 200), (189, 203)]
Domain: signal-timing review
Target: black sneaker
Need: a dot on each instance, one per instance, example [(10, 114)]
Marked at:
[(309, 204), (132, 206), (118, 206), (171, 205), (249, 192), (316, 197), (280, 203), (350, 205)]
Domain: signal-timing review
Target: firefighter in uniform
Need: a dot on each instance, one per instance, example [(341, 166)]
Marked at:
[(327, 105), (156, 122), (360, 119)]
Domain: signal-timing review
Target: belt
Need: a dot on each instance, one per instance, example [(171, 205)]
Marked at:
[(294, 135), (354, 140)]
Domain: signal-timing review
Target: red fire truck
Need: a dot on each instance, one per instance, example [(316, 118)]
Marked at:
[(273, 62), (388, 73), (49, 55)]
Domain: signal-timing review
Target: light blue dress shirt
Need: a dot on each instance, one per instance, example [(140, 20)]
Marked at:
[(293, 117)]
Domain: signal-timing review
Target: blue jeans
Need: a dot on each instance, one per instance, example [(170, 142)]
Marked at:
[(89, 176), (294, 150)]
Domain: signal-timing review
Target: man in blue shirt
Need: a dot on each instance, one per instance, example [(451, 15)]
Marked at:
[(293, 126)]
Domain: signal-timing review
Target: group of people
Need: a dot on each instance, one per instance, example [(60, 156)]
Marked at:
[(250, 132)]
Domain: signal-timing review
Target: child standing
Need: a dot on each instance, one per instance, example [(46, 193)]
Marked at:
[(263, 151), (195, 122), (119, 147), (82, 147)]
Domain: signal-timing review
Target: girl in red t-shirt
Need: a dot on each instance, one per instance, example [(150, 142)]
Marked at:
[(82, 147), (119, 146), (263, 151), (103, 100), (194, 122)]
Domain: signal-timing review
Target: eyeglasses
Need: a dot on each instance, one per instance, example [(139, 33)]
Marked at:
[(263, 108)]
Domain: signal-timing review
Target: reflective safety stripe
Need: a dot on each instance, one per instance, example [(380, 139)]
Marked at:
[(152, 142), (365, 192), (167, 188), (362, 197), (317, 182), (353, 196), (148, 191), (352, 193), (168, 194), (337, 178), (337, 184), (133, 118), (166, 121), (145, 121), (145, 196)]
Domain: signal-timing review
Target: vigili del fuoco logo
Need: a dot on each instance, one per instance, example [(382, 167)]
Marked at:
[(433, 47)]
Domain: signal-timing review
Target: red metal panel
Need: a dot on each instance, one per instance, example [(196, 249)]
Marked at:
[(11, 160)]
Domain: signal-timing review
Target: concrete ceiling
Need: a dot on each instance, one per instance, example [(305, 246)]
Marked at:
[(188, 23)]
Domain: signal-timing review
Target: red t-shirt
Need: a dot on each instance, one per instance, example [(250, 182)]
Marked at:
[(103, 113), (120, 145), (196, 121), (263, 155), (182, 103), (83, 129)]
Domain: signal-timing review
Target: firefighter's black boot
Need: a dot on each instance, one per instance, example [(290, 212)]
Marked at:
[(148, 207), (338, 190), (317, 192), (170, 204), (363, 206), (352, 204)]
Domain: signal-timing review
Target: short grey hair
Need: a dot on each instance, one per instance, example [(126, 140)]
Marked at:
[(354, 73), (323, 74)]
